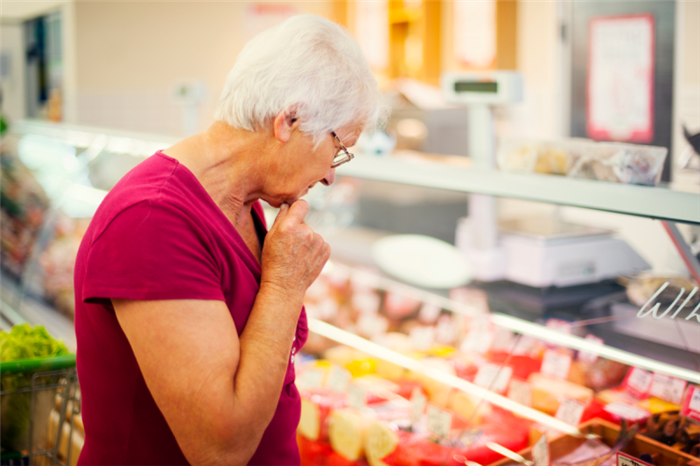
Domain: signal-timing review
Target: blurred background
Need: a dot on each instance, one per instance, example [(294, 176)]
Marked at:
[(159, 66), (507, 179)]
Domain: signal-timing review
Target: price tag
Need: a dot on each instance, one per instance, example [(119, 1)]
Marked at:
[(556, 364), (691, 406), (493, 377), (338, 379), (472, 297), (366, 302), (559, 325), (590, 358), (422, 337), (439, 422), (520, 392), (478, 341), (667, 388), (418, 401), (540, 451), (623, 459), (310, 378), (361, 281), (357, 396), (429, 313), (445, 330), (570, 411), (626, 411), (638, 382)]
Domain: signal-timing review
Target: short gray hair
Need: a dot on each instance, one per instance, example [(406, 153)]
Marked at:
[(307, 64)]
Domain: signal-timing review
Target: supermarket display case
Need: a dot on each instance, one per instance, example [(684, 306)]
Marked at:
[(396, 373)]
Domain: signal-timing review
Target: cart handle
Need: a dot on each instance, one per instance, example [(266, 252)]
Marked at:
[(37, 364)]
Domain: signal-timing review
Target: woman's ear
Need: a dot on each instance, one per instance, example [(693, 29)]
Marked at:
[(284, 125)]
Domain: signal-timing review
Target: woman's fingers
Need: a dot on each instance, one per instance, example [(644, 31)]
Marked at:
[(293, 252), (298, 210)]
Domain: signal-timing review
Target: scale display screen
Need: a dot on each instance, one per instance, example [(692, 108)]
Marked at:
[(485, 87)]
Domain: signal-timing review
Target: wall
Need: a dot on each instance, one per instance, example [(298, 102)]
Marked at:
[(13, 86), (132, 54), (688, 76), (541, 114)]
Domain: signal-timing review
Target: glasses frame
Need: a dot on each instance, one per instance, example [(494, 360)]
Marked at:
[(339, 158)]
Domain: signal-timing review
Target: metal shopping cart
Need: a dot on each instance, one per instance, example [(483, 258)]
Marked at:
[(34, 390)]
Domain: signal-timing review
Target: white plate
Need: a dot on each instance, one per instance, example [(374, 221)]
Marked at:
[(421, 260)]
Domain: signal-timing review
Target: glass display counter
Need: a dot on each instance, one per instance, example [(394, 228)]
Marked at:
[(397, 373)]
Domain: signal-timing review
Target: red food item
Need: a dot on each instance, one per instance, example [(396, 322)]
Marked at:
[(313, 453), (595, 408), (501, 417), (464, 370), (406, 388), (420, 450), (522, 365), (334, 459)]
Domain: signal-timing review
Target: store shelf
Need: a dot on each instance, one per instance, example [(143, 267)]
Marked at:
[(642, 201), (521, 326)]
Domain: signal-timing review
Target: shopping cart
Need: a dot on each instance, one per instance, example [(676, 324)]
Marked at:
[(36, 387)]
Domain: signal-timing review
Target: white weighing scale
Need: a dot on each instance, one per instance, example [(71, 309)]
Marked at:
[(538, 252), (480, 92)]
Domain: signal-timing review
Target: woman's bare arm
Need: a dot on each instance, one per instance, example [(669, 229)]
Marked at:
[(217, 392)]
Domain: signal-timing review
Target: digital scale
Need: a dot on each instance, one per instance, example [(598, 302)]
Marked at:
[(534, 252)]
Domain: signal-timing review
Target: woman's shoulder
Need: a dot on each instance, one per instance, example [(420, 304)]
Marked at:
[(158, 184)]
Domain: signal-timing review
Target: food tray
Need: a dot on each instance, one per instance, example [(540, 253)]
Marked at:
[(608, 432)]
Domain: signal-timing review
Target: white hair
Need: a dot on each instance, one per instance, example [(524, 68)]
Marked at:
[(307, 65)]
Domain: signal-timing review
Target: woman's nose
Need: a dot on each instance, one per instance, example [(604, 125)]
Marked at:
[(329, 178)]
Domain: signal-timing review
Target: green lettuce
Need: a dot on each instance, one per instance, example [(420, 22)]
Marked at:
[(22, 342)]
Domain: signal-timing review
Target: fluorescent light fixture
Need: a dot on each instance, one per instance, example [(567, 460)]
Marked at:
[(578, 343), (349, 339)]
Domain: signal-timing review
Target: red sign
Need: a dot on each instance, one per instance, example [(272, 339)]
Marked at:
[(620, 85), (691, 405)]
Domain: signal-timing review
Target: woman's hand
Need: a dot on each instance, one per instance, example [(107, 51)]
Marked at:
[(294, 254)]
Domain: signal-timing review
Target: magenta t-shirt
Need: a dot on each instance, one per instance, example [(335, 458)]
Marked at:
[(159, 235)]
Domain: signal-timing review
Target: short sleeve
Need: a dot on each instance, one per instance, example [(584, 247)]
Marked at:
[(152, 251)]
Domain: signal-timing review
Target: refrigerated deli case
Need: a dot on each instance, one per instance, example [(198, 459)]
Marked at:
[(394, 373)]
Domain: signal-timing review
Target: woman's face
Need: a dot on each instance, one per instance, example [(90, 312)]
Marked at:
[(301, 166)]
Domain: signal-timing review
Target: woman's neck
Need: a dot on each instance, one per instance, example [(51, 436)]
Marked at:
[(227, 162)]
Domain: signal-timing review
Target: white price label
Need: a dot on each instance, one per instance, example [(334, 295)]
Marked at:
[(520, 392), (691, 406), (540, 451), (695, 399), (366, 302), (445, 330), (493, 377), (590, 358), (626, 411), (624, 459), (439, 422), (556, 364), (310, 378), (429, 313), (338, 379), (559, 325), (478, 341), (570, 411), (667, 388), (418, 401), (638, 382), (357, 396), (422, 337)]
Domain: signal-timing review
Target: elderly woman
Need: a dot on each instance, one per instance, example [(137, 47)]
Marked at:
[(189, 311)]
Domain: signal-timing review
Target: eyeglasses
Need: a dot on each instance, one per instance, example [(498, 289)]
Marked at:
[(343, 156)]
